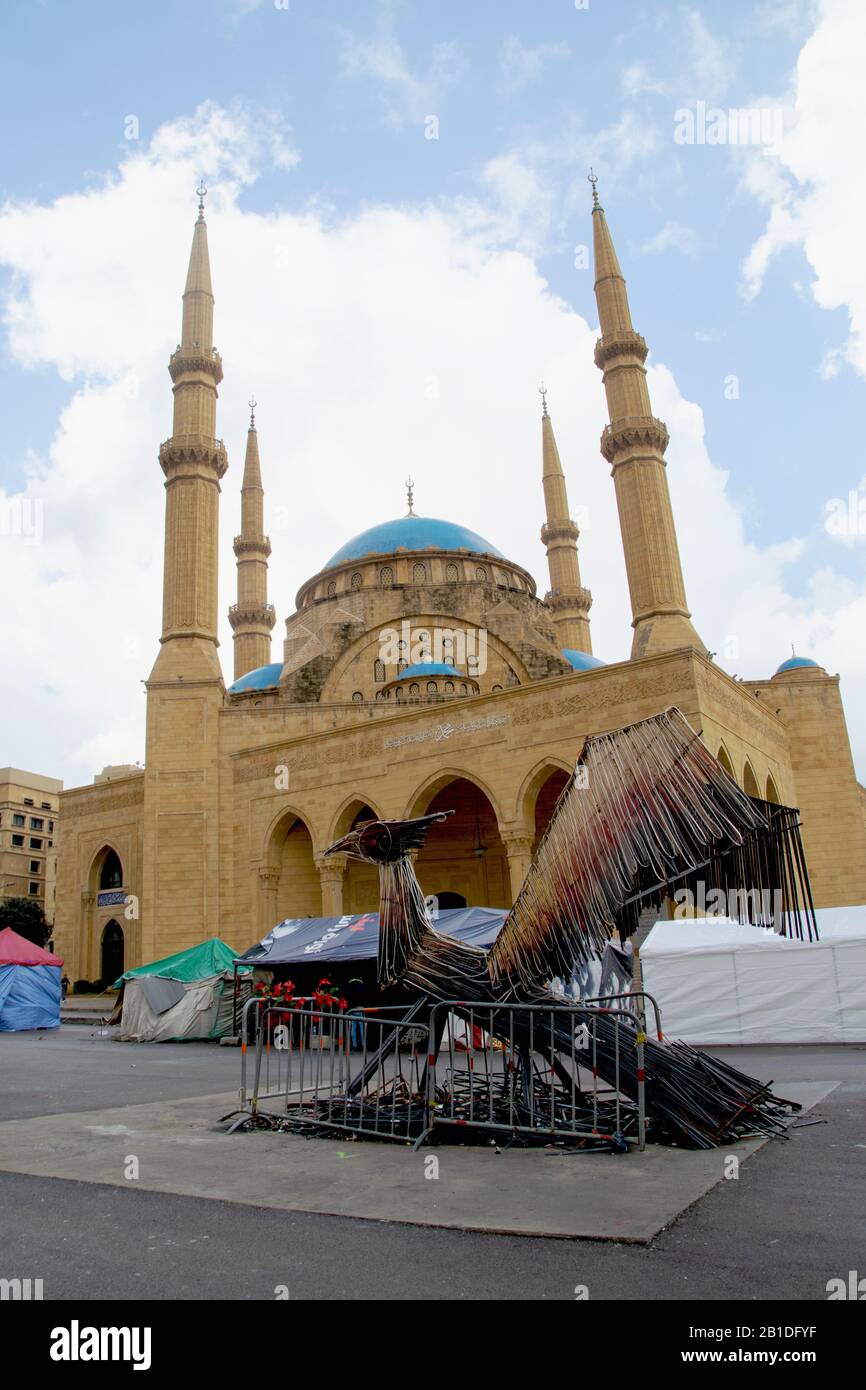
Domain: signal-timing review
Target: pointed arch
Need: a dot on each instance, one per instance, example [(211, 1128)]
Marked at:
[(289, 876), (533, 784), (772, 792), (750, 781), (106, 863), (724, 758), (360, 881), (348, 815), (465, 854)]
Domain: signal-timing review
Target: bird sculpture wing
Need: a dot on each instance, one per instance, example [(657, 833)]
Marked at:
[(647, 810)]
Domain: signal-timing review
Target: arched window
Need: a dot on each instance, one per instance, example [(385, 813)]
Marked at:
[(464, 689), (398, 693), (449, 687), (386, 576), (357, 697), (378, 670), (357, 580), (419, 574), (332, 589), (725, 761), (495, 688), (111, 873), (432, 688), (414, 688), (481, 572), (452, 574), (772, 793)]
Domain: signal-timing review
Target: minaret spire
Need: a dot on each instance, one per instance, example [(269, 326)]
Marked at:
[(193, 461), (567, 597), (634, 445), (252, 617)]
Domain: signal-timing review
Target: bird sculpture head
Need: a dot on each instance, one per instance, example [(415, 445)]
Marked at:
[(385, 841)]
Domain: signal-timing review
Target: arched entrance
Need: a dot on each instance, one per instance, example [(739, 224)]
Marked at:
[(463, 855), (548, 795), (360, 881), (290, 877), (111, 952), (446, 900)]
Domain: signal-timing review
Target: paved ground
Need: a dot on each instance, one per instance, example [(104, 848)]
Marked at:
[(794, 1218)]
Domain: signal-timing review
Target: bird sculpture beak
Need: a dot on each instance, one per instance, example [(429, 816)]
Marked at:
[(344, 846)]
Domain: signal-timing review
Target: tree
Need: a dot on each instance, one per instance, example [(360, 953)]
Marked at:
[(25, 916)]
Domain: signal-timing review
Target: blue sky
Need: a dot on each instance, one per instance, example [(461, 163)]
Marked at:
[(106, 61), (526, 97)]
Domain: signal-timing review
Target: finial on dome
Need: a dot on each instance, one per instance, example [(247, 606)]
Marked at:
[(252, 403), (593, 179), (201, 194), (542, 391), (410, 494)]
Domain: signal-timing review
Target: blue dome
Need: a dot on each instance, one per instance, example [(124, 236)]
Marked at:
[(260, 679), (581, 661), (796, 663), (430, 668), (412, 533)]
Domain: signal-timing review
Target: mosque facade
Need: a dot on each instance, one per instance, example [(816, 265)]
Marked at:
[(420, 670)]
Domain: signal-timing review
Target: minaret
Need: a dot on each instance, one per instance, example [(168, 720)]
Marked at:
[(634, 445), (193, 462), (568, 599), (180, 851), (252, 617)]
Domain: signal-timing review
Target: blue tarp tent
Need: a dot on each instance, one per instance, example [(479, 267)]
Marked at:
[(29, 985), (301, 940)]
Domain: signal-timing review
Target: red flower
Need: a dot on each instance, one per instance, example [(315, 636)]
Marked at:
[(343, 1003)]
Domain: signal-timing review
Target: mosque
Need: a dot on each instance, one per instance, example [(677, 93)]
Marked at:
[(420, 670)]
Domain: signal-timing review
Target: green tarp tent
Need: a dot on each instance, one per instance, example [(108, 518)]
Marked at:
[(212, 957), (179, 998)]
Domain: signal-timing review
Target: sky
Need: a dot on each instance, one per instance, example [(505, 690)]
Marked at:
[(399, 219)]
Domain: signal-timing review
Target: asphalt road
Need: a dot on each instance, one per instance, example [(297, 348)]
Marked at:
[(795, 1218)]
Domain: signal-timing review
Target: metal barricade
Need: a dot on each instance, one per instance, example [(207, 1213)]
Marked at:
[(552, 1071), (359, 1071), (534, 1069)]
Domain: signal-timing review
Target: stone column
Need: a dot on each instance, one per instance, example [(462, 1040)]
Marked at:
[(331, 874), (518, 847), (269, 881)]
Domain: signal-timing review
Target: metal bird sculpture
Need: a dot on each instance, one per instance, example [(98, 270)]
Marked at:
[(648, 809)]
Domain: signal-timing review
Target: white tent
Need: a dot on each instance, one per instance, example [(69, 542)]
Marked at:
[(717, 982)]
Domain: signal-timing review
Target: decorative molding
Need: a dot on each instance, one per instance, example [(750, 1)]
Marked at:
[(634, 432), (625, 344)]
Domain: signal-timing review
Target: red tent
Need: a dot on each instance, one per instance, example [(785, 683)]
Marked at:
[(17, 950)]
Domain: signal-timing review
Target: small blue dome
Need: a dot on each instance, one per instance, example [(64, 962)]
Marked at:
[(796, 663), (412, 533), (429, 668), (260, 679), (581, 661)]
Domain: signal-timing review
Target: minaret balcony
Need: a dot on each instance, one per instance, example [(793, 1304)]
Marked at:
[(578, 600), (634, 433), (559, 531), (193, 359), (625, 344), (258, 546), (189, 451), (255, 616)]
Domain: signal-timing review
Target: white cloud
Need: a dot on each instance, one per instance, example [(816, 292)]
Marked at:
[(673, 236), (407, 96), (712, 62), (635, 80), (389, 340), (812, 181), (522, 63)]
